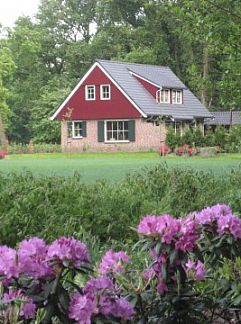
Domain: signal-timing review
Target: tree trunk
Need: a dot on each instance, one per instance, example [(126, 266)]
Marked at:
[(204, 92), (3, 137)]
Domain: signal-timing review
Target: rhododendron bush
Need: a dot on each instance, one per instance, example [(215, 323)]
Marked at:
[(187, 261)]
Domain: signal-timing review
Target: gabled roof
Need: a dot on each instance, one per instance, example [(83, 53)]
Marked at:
[(224, 118), (123, 75), (162, 77)]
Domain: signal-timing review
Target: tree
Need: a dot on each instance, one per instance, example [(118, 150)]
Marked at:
[(51, 96), (6, 68)]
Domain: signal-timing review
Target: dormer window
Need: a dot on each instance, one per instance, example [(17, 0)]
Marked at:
[(105, 92), (177, 96), (163, 96), (89, 92)]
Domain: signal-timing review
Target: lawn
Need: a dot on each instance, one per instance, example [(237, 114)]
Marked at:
[(111, 166)]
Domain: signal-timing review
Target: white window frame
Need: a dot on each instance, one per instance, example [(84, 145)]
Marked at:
[(87, 92), (73, 128), (105, 131), (102, 92), (159, 95), (177, 91)]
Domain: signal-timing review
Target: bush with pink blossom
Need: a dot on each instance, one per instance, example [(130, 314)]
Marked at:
[(183, 261)]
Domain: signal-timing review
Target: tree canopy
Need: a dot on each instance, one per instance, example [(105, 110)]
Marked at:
[(40, 60)]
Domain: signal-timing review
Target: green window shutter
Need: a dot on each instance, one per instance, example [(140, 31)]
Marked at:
[(69, 129), (84, 130), (131, 130), (101, 131)]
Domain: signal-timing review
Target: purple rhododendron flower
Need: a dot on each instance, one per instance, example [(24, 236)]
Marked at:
[(221, 216), (147, 226), (195, 270), (68, 249), (27, 307), (229, 224), (149, 274), (164, 226), (112, 262), (8, 262), (189, 236), (99, 297), (210, 214), (82, 308), (162, 287), (235, 227), (96, 284), (31, 257), (168, 227), (121, 308)]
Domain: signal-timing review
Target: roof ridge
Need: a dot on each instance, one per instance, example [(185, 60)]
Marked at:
[(131, 63)]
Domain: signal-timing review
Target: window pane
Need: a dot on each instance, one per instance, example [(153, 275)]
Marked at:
[(109, 135), (105, 91), (116, 130), (120, 125), (77, 129), (114, 136), (90, 92), (125, 135)]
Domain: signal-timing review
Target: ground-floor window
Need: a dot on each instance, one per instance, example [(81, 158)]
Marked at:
[(76, 129), (116, 131)]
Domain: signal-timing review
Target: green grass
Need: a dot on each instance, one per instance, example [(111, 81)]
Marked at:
[(110, 166)]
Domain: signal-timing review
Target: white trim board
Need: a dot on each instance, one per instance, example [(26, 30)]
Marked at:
[(96, 64), (144, 79)]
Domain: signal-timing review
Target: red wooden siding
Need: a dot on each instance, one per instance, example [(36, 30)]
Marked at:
[(118, 107), (148, 86)]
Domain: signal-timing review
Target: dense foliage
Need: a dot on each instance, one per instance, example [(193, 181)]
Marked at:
[(228, 140), (173, 281), (43, 59), (51, 206)]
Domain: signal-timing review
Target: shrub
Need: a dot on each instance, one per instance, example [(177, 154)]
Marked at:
[(52, 206), (186, 150), (2, 154), (190, 274), (220, 136), (33, 148), (164, 150), (172, 140)]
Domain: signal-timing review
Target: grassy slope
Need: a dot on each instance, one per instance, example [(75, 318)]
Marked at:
[(110, 166)]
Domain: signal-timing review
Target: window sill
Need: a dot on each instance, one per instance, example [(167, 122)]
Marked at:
[(77, 137), (113, 142), (105, 98)]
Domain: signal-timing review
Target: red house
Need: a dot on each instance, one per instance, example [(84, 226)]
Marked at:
[(126, 106)]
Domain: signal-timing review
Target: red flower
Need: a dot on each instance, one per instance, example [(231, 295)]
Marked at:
[(2, 154), (164, 150)]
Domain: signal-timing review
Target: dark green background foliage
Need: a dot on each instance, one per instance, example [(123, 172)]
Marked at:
[(45, 58), (53, 206)]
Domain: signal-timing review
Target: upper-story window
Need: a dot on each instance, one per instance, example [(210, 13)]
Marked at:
[(163, 96), (89, 92), (177, 96), (105, 92)]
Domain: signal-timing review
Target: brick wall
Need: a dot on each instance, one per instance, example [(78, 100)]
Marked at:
[(147, 136)]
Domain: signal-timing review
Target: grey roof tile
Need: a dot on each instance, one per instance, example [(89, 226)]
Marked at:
[(224, 118), (161, 76)]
